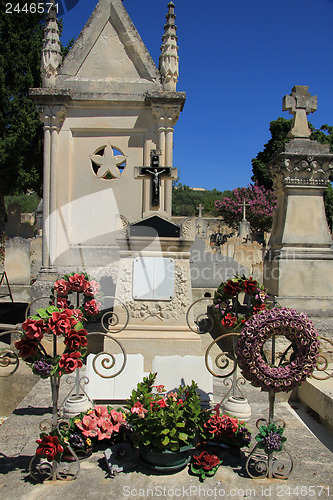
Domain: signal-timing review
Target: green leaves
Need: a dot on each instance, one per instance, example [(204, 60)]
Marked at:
[(164, 421)]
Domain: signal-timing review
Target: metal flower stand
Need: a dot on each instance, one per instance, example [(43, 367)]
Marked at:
[(40, 468), (274, 464)]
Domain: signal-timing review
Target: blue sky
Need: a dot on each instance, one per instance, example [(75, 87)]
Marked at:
[(238, 58)]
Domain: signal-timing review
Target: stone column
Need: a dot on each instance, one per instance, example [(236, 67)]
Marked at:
[(45, 118), (172, 117), (52, 117), (166, 117), (298, 268)]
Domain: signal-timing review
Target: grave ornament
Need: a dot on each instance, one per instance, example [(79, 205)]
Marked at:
[(155, 172), (300, 103)]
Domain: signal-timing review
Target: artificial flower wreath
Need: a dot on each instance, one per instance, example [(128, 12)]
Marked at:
[(297, 328), (65, 323), (230, 312), (80, 284)]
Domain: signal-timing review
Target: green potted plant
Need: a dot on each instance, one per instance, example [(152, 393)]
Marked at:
[(164, 424)]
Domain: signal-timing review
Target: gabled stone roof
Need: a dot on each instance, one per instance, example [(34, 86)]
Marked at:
[(109, 56)]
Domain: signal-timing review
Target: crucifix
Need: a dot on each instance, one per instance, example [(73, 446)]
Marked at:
[(244, 205), (155, 171), (200, 207), (299, 103)]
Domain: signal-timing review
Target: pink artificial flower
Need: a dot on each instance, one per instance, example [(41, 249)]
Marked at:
[(88, 426), (139, 409), (159, 388), (105, 429), (117, 418), (91, 288), (173, 396)]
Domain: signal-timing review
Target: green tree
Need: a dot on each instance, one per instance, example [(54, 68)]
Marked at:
[(21, 133), (185, 200), (279, 130), (279, 135)]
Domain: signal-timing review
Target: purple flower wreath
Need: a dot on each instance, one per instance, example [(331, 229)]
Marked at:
[(297, 328)]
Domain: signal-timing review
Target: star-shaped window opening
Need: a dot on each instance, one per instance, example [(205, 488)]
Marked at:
[(101, 170)]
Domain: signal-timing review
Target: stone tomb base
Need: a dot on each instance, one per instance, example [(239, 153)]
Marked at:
[(301, 280), (151, 343)]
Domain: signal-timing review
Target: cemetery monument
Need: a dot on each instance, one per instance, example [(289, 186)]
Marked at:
[(299, 266), (109, 116)]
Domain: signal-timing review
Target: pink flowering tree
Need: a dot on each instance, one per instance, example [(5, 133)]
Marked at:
[(260, 203)]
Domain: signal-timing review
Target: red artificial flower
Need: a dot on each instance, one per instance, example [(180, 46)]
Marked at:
[(62, 287), (258, 307), (214, 424), (205, 461), (49, 447), (76, 339), (27, 348), (78, 314), (229, 426), (69, 361), (61, 322), (229, 321), (250, 286), (92, 307), (159, 388), (77, 282), (34, 329), (91, 288), (62, 303), (161, 403), (231, 288)]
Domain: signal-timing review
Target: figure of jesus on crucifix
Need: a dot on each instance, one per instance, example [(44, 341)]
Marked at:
[(155, 184), (155, 172)]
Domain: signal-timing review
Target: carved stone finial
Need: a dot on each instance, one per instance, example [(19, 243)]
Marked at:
[(51, 53), (299, 103), (168, 64)]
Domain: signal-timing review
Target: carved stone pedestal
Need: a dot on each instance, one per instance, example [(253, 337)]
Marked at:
[(298, 268), (154, 284)]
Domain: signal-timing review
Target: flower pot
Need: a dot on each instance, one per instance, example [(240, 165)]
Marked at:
[(237, 407), (165, 460), (75, 405)]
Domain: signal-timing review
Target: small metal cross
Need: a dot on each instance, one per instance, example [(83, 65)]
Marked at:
[(299, 103)]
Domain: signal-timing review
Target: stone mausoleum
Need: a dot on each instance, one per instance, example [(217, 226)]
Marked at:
[(109, 116)]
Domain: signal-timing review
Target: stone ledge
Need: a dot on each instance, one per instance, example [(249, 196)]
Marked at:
[(318, 395)]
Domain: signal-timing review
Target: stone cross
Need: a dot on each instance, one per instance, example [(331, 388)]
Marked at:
[(200, 207), (244, 209), (299, 103)]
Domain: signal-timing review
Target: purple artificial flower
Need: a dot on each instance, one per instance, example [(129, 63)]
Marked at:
[(42, 367)]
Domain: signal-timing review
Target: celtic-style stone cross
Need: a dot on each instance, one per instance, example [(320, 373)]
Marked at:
[(299, 103)]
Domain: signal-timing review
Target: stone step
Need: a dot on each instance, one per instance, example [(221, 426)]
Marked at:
[(318, 395)]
